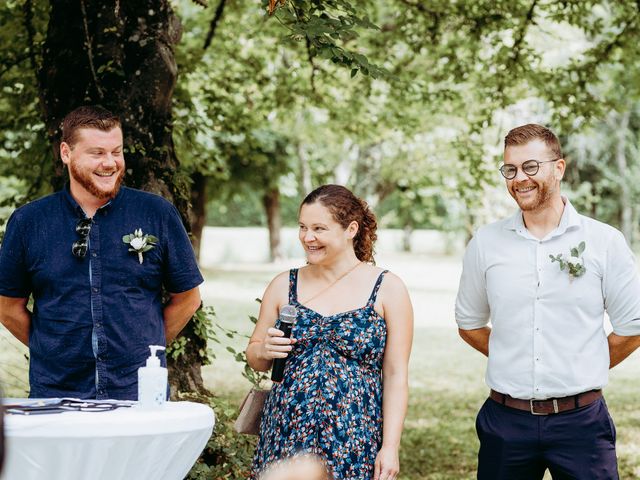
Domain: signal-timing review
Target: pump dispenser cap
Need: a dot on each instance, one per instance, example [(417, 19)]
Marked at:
[(153, 360)]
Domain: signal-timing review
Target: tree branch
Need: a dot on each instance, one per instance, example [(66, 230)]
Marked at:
[(214, 23), (314, 67), (600, 53), (88, 42), (310, 56), (17, 61), (617, 40), (514, 58), (419, 6), (31, 33), (523, 32)]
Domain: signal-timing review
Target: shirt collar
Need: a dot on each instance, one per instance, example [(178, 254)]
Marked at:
[(77, 209), (570, 219)]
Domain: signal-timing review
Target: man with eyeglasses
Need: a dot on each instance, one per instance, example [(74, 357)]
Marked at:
[(544, 277), (95, 257)]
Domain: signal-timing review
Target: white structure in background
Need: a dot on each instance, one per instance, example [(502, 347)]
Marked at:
[(251, 244)]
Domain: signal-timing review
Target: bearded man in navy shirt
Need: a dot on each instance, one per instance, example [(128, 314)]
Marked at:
[(95, 256)]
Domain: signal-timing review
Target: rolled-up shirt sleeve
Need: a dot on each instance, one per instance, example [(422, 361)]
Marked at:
[(181, 271), (621, 287), (14, 279), (472, 304)]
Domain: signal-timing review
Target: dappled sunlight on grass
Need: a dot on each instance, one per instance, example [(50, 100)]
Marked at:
[(14, 367), (446, 379), (446, 376)]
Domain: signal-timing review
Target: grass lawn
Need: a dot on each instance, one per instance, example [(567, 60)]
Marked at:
[(446, 377)]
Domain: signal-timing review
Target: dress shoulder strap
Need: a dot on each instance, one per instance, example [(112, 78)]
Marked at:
[(293, 285), (376, 287)]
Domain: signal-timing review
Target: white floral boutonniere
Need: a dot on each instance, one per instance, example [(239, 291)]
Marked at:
[(139, 242), (574, 264)]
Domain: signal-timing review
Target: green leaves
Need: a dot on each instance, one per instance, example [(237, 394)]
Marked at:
[(140, 242), (327, 27), (577, 251), (574, 265)]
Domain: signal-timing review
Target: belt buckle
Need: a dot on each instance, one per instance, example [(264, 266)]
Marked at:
[(533, 412)]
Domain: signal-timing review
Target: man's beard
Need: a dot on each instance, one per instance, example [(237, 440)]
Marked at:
[(85, 179), (542, 198)]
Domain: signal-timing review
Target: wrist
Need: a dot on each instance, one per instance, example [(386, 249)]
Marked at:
[(390, 445)]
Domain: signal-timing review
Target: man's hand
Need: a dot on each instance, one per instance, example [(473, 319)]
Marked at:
[(15, 317), (179, 311), (621, 347)]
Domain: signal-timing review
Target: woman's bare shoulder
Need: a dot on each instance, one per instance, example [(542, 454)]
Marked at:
[(392, 282), (278, 282)]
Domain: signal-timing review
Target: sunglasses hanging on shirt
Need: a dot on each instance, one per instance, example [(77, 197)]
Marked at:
[(81, 246)]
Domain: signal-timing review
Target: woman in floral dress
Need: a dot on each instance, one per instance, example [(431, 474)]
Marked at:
[(344, 392)]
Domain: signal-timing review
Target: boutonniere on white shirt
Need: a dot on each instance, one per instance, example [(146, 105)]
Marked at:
[(140, 242), (574, 264)]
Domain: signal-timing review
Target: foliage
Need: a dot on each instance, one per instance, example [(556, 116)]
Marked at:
[(205, 325), (267, 101), (257, 379), (604, 167), (322, 25), (227, 454), (24, 148), (11, 192)]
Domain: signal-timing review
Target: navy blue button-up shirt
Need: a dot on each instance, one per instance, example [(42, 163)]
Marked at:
[(94, 317)]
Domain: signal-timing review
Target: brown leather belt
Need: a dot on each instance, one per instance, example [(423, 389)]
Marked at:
[(550, 405)]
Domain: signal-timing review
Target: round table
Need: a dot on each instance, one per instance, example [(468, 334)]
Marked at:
[(126, 443)]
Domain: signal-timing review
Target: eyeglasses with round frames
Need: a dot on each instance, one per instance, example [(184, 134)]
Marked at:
[(530, 168), (83, 228)]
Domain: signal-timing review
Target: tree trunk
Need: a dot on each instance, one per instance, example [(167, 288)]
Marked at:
[(119, 54), (271, 202), (406, 238), (305, 184), (198, 209), (626, 206)]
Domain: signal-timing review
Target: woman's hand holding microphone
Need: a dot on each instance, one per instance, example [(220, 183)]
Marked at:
[(276, 345)]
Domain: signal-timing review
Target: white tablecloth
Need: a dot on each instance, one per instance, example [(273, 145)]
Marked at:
[(126, 443)]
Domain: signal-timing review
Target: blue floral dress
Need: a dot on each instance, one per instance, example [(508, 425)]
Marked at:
[(330, 401)]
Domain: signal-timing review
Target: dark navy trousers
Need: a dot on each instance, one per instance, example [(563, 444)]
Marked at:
[(516, 445)]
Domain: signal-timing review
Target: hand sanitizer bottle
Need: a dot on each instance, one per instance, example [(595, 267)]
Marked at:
[(152, 381)]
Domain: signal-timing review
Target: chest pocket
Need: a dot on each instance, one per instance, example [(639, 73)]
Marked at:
[(129, 272), (123, 268)]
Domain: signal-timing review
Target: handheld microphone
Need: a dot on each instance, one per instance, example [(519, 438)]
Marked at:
[(288, 314)]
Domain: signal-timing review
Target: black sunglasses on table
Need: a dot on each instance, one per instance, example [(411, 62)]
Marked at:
[(65, 405)]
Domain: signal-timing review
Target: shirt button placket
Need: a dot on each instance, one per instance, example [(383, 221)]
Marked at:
[(96, 312), (536, 329)]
